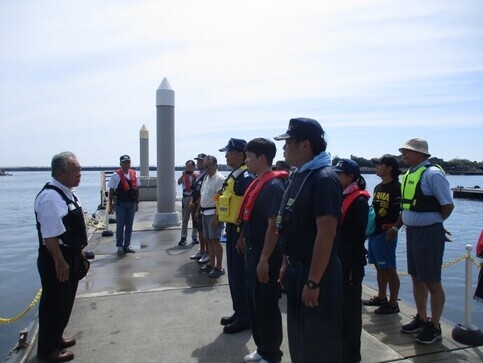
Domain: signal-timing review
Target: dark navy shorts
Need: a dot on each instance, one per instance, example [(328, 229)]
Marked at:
[(425, 248), (381, 252)]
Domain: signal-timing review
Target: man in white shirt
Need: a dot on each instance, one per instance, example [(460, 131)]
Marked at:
[(211, 227)]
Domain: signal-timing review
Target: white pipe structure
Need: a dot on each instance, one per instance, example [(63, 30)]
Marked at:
[(468, 334), (166, 189)]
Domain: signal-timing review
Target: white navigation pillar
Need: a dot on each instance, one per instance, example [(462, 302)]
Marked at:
[(166, 189), (144, 150)]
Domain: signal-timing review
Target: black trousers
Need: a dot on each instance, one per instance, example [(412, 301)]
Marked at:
[(265, 316), (57, 298), (314, 334), (236, 275), (352, 316)]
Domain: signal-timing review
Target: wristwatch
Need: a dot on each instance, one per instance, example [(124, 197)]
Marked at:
[(312, 284), (395, 229)]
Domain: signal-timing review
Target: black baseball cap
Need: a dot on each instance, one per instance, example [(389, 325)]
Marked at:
[(200, 157), (124, 158), (389, 160)]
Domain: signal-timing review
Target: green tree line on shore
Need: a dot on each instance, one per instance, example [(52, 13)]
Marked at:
[(453, 166)]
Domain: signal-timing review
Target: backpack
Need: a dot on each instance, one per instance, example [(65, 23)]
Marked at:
[(371, 221)]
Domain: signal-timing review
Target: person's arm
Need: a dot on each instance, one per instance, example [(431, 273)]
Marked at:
[(110, 208), (180, 179), (137, 199), (61, 266), (268, 247), (324, 241), (446, 210)]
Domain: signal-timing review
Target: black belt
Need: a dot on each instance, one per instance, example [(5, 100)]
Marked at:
[(294, 262), (209, 208)]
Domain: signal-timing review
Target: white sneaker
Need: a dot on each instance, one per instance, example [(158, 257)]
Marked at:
[(120, 251), (204, 259), (253, 357)]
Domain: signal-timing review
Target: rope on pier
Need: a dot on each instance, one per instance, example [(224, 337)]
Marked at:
[(22, 314)]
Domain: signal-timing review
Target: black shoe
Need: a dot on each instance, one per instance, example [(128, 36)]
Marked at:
[(415, 326), (128, 249), (227, 320), (235, 327), (375, 301), (387, 309), (182, 241), (195, 241), (429, 334)]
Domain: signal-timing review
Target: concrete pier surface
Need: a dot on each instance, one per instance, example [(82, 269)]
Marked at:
[(154, 306)]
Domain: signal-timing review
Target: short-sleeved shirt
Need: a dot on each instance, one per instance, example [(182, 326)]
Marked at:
[(211, 186), (433, 182), (51, 208), (386, 203), (317, 193), (266, 206)]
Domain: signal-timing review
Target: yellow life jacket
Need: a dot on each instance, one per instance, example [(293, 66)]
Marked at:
[(229, 204), (412, 195)]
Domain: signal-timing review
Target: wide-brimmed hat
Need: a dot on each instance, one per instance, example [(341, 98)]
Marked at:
[(418, 145)]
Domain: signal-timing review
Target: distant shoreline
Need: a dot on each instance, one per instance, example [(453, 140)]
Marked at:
[(222, 167)]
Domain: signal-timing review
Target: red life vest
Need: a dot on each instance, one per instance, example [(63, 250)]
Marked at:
[(187, 178), (253, 190), (349, 198), (479, 246), (124, 181)]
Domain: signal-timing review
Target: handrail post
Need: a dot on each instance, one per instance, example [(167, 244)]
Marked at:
[(468, 334)]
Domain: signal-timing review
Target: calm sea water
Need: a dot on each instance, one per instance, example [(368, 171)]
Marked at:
[(19, 281)]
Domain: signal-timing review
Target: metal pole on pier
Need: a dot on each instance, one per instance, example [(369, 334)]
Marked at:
[(144, 150), (166, 215), (468, 334)]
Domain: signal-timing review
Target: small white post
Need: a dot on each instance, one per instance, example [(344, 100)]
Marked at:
[(468, 334)]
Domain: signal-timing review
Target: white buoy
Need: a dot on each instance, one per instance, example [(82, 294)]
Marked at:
[(166, 215)]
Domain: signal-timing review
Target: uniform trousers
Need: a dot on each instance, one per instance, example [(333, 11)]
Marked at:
[(57, 298), (352, 316), (314, 334), (265, 317), (236, 274)]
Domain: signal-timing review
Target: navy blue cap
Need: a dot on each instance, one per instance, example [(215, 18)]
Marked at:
[(235, 144), (201, 156), (124, 158), (348, 166), (302, 128)]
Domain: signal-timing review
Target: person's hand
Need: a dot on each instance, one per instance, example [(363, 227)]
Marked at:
[(137, 207), (281, 276), (310, 297), (62, 270), (110, 208), (391, 234), (240, 246), (197, 216), (262, 271)]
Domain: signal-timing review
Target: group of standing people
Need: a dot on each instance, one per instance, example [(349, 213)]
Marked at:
[(302, 232)]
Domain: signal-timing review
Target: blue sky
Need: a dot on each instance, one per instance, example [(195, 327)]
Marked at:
[(82, 76)]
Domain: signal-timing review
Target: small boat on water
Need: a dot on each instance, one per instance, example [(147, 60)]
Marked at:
[(468, 192), (4, 173)]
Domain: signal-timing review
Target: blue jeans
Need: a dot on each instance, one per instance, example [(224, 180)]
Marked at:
[(125, 217)]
